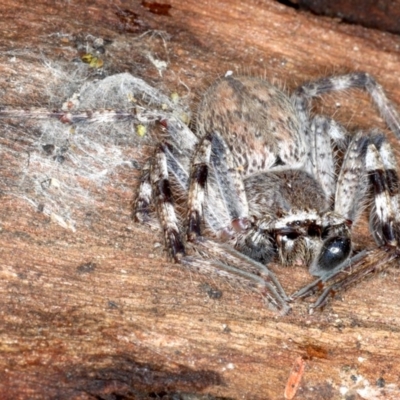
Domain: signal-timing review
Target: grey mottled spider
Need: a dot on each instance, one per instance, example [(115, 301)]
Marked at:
[(263, 178)]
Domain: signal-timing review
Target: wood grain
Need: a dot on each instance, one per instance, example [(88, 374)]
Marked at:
[(100, 313)]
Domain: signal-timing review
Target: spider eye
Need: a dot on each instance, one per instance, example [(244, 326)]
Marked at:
[(314, 230), (287, 233), (334, 251), (292, 235)]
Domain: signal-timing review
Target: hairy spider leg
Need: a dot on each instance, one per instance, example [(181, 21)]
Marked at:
[(213, 150), (381, 173), (161, 188), (357, 80)]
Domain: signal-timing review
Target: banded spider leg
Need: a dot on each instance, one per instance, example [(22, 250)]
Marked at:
[(208, 255), (381, 169)]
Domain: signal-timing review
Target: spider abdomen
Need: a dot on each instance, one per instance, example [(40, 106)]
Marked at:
[(257, 121)]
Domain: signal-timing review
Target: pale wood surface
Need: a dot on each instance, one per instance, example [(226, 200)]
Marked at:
[(100, 312)]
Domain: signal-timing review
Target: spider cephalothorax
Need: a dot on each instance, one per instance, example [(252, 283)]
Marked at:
[(264, 177), (294, 221)]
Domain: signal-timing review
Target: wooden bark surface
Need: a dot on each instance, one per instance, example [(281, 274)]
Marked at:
[(383, 15), (100, 313)]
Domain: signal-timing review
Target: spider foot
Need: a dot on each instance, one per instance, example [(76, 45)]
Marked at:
[(275, 300), (356, 269), (175, 245), (193, 232), (141, 212), (224, 260)]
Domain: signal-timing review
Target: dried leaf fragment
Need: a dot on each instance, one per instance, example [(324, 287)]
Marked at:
[(157, 8), (294, 378), (93, 61)]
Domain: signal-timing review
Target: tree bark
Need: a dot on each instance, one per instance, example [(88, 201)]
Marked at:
[(99, 312)]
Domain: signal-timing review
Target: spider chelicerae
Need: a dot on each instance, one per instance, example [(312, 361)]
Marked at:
[(263, 182)]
